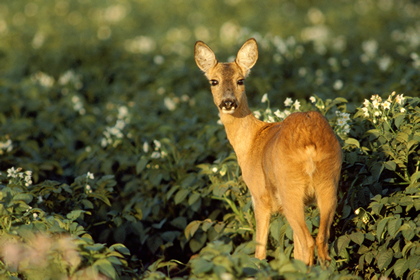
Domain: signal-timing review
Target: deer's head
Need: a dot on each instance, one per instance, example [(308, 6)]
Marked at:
[(227, 79)]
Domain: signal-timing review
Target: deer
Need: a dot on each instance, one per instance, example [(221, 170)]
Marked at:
[(285, 165)]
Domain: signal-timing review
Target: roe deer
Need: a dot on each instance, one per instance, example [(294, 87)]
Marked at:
[(285, 165)]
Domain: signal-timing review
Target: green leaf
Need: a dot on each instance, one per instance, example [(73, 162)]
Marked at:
[(141, 164), (369, 257), (120, 248), (407, 231), (352, 141), (26, 197), (200, 266), (398, 120), (415, 177), (400, 267), (181, 195), (407, 248), (394, 225), (73, 215), (411, 144), (114, 259), (339, 100), (390, 165), (101, 197), (191, 229), (179, 222), (384, 258), (342, 243), (95, 247), (206, 224), (381, 227), (414, 262), (169, 236), (87, 204), (193, 198), (105, 267), (198, 241), (402, 137), (357, 237), (376, 207)]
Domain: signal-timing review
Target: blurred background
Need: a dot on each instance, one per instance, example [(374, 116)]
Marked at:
[(110, 90), (305, 45)]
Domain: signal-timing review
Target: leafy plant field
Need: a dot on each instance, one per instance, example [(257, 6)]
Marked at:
[(114, 166)]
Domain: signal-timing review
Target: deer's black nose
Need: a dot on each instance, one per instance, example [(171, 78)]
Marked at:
[(228, 104)]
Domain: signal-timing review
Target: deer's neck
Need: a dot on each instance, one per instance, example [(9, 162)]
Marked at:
[(241, 130)]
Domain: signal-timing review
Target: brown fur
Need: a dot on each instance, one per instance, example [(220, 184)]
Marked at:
[(285, 165)]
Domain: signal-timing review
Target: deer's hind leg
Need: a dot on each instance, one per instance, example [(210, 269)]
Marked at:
[(327, 201), (293, 196)]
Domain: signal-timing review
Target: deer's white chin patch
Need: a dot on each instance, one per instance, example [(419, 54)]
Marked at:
[(230, 112)]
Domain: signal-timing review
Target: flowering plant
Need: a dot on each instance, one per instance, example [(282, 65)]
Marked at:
[(380, 111)]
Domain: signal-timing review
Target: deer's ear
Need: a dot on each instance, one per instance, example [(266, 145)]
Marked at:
[(247, 55), (204, 56)]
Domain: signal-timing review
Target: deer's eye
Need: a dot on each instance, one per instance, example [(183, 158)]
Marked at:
[(214, 82), (240, 82)]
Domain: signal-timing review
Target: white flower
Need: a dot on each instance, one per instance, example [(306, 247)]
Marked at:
[(296, 105), (145, 147), (214, 169), (264, 98), (257, 114), (157, 144), (346, 129), (402, 110), (288, 102), (341, 122), (345, 116), (365, 112), (312, 99), (43, 79), (377, 113), (12, 172), (338, 85), (386, 105), (158, 59), (376, 97), (88, 189), (120, 124), (28, 181), (169, 103), (90, 175), (400, 99), (375, 104), (279, 114), (226, 276), (366, 103), (122, 112), (155, 155), (6, 146)]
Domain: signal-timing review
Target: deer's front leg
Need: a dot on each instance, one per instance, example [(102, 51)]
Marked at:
[(262, 218)]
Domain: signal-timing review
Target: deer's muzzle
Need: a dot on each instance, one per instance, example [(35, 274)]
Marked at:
[(228, 106)]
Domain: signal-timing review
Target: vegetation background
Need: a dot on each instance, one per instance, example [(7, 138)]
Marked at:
[(113, 165)]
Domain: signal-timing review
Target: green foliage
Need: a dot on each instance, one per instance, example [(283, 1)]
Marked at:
[(39, 242), (113, 164)]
